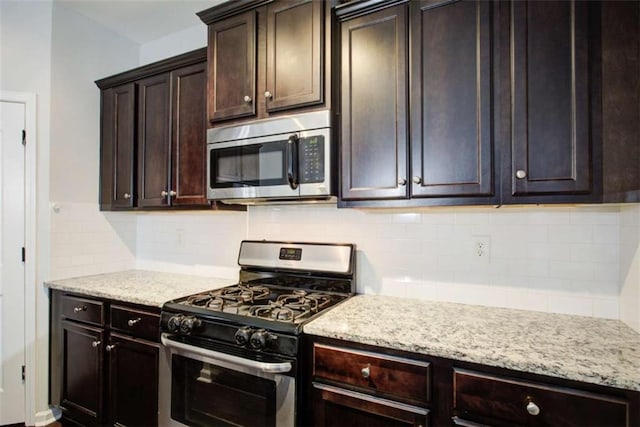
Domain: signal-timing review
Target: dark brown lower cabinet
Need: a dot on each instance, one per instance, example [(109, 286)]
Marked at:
[(132, 363), (340, 407), (353, 384), (103, 361), (82, 373)]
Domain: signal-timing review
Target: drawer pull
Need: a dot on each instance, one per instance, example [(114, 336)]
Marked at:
[(132, 322), (532, 408), (366, 372), (95, 344), (79, 309)]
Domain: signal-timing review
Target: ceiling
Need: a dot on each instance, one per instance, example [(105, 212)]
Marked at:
[(141, 20)]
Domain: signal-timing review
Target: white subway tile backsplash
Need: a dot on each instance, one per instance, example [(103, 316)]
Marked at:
[(560, 259)]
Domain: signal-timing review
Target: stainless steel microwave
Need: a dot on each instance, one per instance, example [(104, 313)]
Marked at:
[(283, 159)]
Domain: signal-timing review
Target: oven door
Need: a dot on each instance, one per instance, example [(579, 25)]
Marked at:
[(203, 387), (284, 166)]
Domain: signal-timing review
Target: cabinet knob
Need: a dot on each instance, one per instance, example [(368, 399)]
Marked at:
[(163, 193), (417, 179), (95, 344), (127, 196), (110, 347), (532, 408), (79, 309), (268, 95), (247, 99), (521, 174), (402, 181), (132, 322), (172, 193), (366, 372)]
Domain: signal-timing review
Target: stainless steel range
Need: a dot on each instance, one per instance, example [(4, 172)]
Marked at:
[(235, 348)]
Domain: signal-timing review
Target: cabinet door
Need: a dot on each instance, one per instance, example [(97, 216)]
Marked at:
[(153, 140), (232, 67), (294, 54), (452, 136), (133, 381), (122, 100), (373, 84), (334, 406), (188, 142), (550, 134), (82, 373)]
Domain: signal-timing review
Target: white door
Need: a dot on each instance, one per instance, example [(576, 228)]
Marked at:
[(12, 273)]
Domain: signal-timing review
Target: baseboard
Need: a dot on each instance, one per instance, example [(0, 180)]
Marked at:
[(47, 417)]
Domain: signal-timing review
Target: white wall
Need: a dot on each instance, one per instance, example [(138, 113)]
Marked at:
[(82, 52), (25, 66), (174, 44), (83, 240), (630, 266)]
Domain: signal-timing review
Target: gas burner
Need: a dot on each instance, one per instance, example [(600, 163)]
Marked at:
[(299, 298), (277, 310), (245, 293)]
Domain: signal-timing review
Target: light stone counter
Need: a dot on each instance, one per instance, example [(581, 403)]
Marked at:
[(599, 351), (139, 287)]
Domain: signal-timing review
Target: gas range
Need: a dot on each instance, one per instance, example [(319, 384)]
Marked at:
[(281, 286)]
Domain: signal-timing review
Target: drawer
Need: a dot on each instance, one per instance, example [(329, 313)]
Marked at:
[(375, 373), (83, 309), (506, 401), (141, 324)]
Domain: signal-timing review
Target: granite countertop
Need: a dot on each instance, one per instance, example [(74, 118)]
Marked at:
[(139, 287), (592, 350)]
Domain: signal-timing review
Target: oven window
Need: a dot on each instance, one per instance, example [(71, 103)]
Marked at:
[(203, 394), (252, 165)]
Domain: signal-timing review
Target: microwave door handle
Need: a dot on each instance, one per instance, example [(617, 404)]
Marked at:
[(292, 161)]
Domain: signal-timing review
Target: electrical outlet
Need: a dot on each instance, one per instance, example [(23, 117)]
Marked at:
[(481, 248)]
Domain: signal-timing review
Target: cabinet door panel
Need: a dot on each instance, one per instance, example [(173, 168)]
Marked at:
[(451, 129), (188, 170), (339, 407), (82, 372), (232, 67), (133, 365), (294, 53), (374, 105), (123, 142), (550, 100), (153, 140)]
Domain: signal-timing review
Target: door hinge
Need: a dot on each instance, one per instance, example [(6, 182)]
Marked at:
[(24, 254), (24, 373), (24, 137)]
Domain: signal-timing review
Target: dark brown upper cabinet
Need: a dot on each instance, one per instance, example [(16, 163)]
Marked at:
[(153, 136), (117, 151), (266, 57), (449, 103), (294, 54), (171, 138), (549, 48), (154, 155), (452, 136), (232, 67), (373, 108)]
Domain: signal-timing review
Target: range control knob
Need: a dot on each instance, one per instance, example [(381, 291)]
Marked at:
[(173, 324), (259, 339), (189, 324), (243, 335)]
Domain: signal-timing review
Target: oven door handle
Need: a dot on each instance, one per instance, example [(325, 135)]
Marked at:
[(269, 368)]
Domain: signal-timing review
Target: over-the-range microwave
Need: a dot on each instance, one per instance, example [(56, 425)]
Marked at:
[(285, 159)]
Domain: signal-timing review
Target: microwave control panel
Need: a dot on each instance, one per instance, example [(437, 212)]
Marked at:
[(311, 154)]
